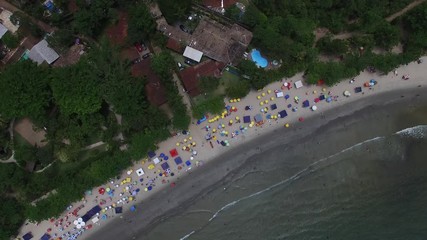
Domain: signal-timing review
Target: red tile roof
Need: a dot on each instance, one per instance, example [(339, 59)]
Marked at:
[(156, 93), (190, 76), (174, 45), (217, 3)]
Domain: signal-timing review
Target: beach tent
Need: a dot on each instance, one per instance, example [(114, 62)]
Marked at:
[(46, 237), (165, 166), (258, 118), (118, 210), (156, 160), (95, 220), (283, 114), (279, 94), (139, 172), (178, 160), (346, 93), (151, 154), (287, 96), (273, 106), (298, 84), (329, 99), (322, 97), (306, 103), (27, 236), (357, 89), (247, 119), (173, 152), (92, 212)]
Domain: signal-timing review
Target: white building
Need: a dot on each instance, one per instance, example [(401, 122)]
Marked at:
[(42, 52)]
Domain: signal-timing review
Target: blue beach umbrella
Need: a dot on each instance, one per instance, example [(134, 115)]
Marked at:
[(150, 188), (286, 96)]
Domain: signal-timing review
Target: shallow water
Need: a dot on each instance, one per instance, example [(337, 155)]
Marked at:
[(364, 179)]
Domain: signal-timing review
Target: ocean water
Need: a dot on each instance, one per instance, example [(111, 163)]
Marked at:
[(363, 179)]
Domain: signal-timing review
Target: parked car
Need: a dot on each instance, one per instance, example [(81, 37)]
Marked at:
[(139, 47)]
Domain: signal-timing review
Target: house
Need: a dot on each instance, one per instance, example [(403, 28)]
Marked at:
[(3, 30), (154, 90), (41, 52), (191, 75), (174, 45), (193, 54), (5, 20)]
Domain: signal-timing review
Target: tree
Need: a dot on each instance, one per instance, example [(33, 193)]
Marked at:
[(143, 142), (76, 89), (91, 18), (24, 91), (233, 13), (141, 24), (238, 89), (253, 17), (174, 10), (208, 84), (10, 40), (213, 104), (61, 39)]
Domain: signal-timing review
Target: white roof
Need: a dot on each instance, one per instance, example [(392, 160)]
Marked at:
[(156, 160), (42, 52), (139, 172), (3, 30), (298, 84), (279, 94), (193, 54)]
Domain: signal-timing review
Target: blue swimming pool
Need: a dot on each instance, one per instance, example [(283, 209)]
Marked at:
[(258, 59)]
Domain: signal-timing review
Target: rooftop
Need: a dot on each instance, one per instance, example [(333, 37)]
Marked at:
[(174, 45), (216, 4), (190, 76), (117, 33), (220, 42), (5, 20), (42, 52), (156, 93), (193, 54), (3, 30)]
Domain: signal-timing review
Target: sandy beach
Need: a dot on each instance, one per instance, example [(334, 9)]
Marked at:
[(169, 194)]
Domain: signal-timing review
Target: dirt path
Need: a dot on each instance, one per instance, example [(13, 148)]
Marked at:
[(404, 10)]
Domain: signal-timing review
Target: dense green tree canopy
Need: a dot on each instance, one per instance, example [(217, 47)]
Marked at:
[(24, 90), (76, 89), (141, 24), (174, 10)]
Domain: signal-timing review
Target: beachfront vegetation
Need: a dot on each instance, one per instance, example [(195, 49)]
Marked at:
[(213, 104), (358, 35), (174, 10), (163, 64)]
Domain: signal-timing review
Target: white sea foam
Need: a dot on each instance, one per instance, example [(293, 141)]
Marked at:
[(309, 169), (419, 132)]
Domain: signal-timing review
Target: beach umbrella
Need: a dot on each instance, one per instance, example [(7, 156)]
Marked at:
[(133, 208), (258, 97), (263, 94), (177, 144), (314, 108), (266, 101), (268, 91), (301, 119), (272, 98), (347, 93), (108, 189), (162, 155), (261, 103), (287, 125), (101, 190), (237, 118), (166, 158), (150, 188)]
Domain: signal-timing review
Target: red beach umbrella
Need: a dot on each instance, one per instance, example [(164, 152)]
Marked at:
[(101, 191), (301, 119)]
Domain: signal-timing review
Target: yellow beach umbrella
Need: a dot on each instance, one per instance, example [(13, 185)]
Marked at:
[(237, 118), (231, 121), (258, 97), (238, 100), (177, 143), (183, 148), (268, 91), (263, 94), (287, 125), (314, 92), (214, 130), (193, 143), (261, 103), (190, 138), (185, 140), (223, 125), (266, 101), (324, 89), (272, 98)]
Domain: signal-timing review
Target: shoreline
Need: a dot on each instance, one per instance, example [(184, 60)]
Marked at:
[(387, 84), (315, 125)]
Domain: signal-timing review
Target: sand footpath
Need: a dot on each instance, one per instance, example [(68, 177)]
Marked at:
[(162, 181)]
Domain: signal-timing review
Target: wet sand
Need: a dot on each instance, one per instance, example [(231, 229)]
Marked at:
[(213, 175)]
